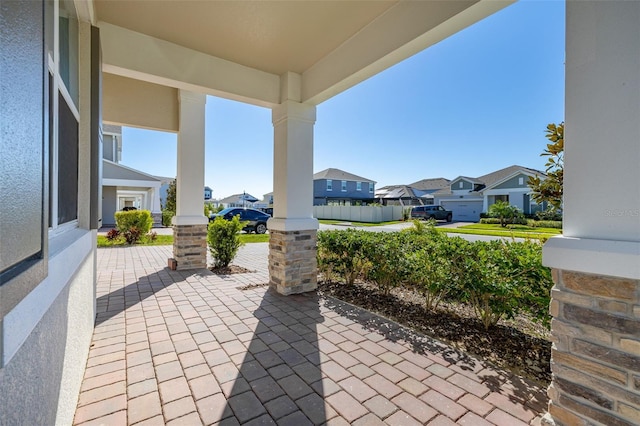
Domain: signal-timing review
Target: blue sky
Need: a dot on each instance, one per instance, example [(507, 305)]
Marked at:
[(472, 104)]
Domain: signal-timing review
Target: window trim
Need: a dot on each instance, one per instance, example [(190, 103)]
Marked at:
[(343, 186), (358, 186), (329, 185)]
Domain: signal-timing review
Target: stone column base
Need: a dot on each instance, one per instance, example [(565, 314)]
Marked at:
[(596, 350), (190, 246), (293, 267)]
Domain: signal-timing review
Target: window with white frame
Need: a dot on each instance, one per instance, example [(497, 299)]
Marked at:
[(64, 116), (358, 186), (521, 181), (371, 187), (460, 184), (329, 185), (343, 186)]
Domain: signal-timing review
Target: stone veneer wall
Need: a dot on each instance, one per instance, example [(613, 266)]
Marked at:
[(190, 246), (596, 350), (293, 267)]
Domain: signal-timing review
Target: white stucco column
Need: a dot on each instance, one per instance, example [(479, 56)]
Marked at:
[(596, 263), (602, 142), (190, 179), (190, 224), (293, 167), (292, 230)]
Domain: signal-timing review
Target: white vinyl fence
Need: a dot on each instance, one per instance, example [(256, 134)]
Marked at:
[(359, 213)]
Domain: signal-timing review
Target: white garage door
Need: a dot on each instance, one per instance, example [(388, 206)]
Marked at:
[(464, 211)]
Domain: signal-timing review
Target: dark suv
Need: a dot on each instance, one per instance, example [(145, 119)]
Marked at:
[(431, 212), (256, 220)]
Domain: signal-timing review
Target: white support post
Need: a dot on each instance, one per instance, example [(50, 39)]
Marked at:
[(190, 224), (292, 244), (596, 262), (190, 179)]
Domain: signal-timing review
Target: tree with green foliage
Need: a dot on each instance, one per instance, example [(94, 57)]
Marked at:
[(504, 211), (170, 201), (169, 207), (550, 189)]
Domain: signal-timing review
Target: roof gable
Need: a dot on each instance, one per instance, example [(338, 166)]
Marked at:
[(430, 184), (493, 178), (337, 174), (111, 170)]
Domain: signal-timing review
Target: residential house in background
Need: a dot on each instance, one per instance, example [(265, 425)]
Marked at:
[(398, 195), (467, 197), (237, 200), (416, 194), (337, 187), (124, 186)]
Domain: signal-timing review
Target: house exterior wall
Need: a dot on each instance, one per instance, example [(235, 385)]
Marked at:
[(466, 185), (514, 182), (109, 205), (47, 308), (108, 148), (518, 197), (56, 323), (320, 193)]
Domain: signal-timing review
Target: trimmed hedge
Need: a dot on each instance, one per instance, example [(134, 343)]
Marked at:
[(529, 222), (133, 224), (499, 279)]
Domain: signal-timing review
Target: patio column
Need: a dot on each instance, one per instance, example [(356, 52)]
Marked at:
[(292, 242), (596, 263), (190, 224)]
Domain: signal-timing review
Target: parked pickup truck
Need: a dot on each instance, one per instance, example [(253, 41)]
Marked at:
[(431, 212)]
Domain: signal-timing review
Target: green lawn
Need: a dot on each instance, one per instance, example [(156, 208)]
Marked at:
[(160, 240), (165, 240), (340, 222), (516, 231)]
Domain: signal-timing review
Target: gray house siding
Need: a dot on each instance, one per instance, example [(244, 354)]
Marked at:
[(321, 194), (514, 182), (109, 205), (455, 185)]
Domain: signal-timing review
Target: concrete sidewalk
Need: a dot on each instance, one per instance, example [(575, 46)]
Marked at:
[(192, 348)]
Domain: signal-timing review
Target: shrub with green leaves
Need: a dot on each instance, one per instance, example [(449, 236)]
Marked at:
[(224, 240), (133, 224), (499, 279), (509, 279), (387, 255), (342, 254)]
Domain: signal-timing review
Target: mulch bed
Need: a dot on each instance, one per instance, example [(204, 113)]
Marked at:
[(230, 270), (519, 345)]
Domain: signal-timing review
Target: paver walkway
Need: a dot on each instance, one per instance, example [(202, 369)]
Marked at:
[(192, 348)]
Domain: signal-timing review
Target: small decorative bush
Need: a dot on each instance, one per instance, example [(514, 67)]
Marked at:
[(133, 224), (113, 234), (223, 240)]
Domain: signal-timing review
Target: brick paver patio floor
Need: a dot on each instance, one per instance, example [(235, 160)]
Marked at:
[(192, 348)]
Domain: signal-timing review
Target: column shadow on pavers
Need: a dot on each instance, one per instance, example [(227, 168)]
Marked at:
[(394, 332), (119, 300), (521, 391), (280, 381)]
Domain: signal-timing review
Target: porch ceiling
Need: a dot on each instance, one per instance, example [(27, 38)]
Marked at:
[(272, 36), (241, 49)]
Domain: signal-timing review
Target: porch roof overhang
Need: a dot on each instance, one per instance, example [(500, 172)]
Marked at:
[(264, 52)]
